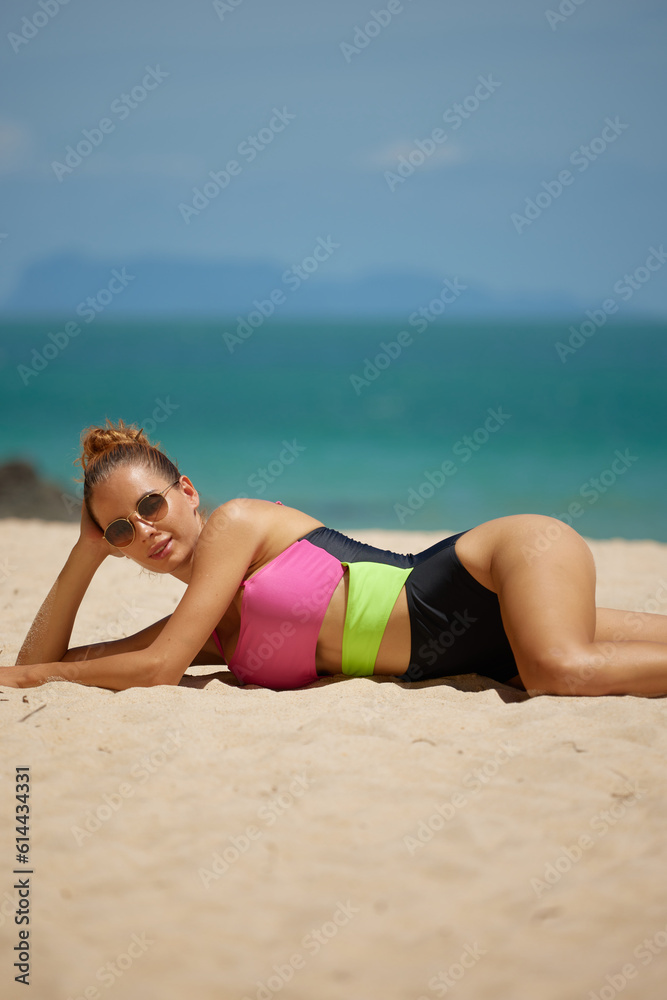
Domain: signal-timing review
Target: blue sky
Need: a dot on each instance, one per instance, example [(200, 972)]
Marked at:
[(220, 70)]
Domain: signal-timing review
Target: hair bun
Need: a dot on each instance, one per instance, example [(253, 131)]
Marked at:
[(96, 441)]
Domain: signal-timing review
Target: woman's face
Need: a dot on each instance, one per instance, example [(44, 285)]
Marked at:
[(161, 546)]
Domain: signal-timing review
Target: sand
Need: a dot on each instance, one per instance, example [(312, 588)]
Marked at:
[(357, 839)]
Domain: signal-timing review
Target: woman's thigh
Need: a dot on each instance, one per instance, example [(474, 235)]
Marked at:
[(544, 575), (534, 535), (612, 625)]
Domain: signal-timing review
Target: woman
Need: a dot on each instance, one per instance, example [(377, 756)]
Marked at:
[(289, 600)]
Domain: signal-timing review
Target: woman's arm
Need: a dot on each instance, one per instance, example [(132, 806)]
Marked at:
[(208, 654), (117, 672), (113, 671), (48, 636), (227, 546), (22, 676)]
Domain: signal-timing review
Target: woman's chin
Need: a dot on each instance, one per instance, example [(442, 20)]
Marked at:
[(175, 555)]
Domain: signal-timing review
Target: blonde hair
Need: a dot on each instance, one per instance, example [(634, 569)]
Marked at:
[(104, 449)]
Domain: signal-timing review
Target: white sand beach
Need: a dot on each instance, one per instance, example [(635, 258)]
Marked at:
[(358, 839)]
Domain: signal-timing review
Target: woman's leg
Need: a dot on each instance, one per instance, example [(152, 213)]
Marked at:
[(613, 625), (544, 576)]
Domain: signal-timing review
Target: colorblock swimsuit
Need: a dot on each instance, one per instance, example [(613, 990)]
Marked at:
[(455, 622)]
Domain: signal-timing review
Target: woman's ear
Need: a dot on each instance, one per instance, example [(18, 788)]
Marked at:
[(189, 491)]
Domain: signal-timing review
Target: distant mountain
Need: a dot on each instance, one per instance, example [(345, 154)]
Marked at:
[(167, 286)]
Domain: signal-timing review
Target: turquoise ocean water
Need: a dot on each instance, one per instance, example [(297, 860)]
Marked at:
[(466, 422)]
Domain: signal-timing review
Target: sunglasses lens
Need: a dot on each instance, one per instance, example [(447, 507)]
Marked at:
[(119, 533), (153, 507)]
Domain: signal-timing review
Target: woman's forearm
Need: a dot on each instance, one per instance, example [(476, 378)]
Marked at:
[(48, 636), (117, 672)]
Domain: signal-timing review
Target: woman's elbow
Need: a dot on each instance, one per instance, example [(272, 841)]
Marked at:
[(161, 671)]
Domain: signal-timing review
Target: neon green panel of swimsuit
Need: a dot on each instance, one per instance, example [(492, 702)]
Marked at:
[(373, 591)]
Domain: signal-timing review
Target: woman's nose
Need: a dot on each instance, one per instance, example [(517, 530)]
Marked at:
[(139, 522)]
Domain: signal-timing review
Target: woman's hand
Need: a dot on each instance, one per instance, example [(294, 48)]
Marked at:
[(91, 539), (9, 677)]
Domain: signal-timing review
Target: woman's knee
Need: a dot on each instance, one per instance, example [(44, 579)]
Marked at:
[(569, 670)]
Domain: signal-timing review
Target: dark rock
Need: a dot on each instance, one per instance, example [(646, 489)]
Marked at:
[(23, 493)]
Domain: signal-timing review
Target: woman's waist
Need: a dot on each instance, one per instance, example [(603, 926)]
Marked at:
[(359, 640), (362, 626), (332, 602)]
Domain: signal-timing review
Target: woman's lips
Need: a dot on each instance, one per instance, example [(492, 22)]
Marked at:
[(163, 553)]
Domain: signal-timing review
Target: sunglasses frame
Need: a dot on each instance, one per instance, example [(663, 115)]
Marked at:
[(152, 493)]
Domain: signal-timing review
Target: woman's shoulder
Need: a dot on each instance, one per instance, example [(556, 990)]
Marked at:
[(251, 515), (241, 514), (234, 536), (237, 508), (240, 509)]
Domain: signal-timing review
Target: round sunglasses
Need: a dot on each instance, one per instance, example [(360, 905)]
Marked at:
[(151, 507)]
